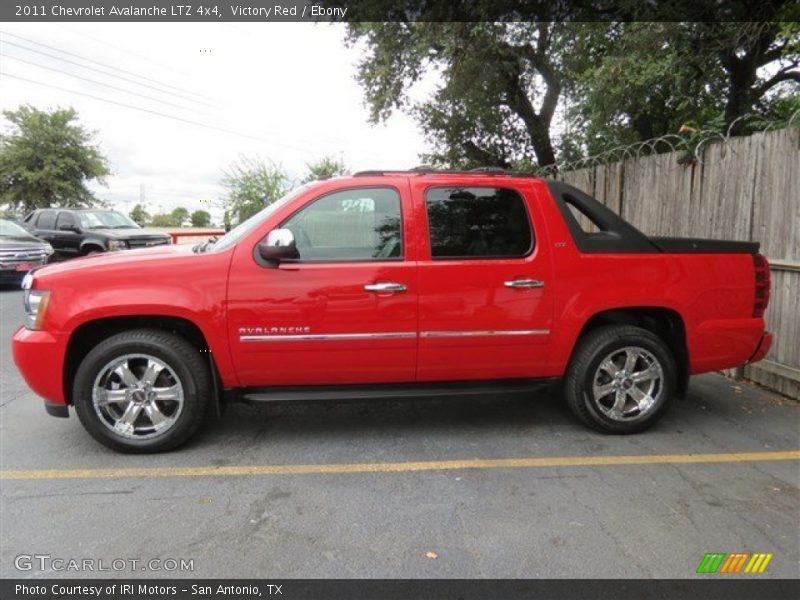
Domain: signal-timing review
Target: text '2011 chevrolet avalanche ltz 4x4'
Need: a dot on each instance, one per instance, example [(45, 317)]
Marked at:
[(392, 284)]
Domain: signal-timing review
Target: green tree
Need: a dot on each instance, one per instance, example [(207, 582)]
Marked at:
[(47, 159), (477, 116), (251, 185), (760, 63), (630, 83), (325, 168), (139, 215), (637, 81), (226, 221), (180, 216), (501, 84), (201, 218), (163, 220)]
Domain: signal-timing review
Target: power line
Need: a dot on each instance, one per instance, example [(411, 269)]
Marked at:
[(132, 93), (72, 62), (160, 114), (140, 57), (112, 67), (100, 83), (316, 141)]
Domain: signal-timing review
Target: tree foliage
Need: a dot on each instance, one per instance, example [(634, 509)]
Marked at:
[(637, 81), (139, 215), (201, 218), (629, 85), (180, 216), (252, 184), (177, 217), (163, 220), (325, 168), (47, 159), (515, 93), (477, 115)]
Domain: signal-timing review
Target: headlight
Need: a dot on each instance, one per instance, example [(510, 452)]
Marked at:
[(48, 249), (115, 245), (35, 307)]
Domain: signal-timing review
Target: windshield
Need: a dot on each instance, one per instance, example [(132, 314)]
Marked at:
[(245, 227), (105, 219), (9, 229)]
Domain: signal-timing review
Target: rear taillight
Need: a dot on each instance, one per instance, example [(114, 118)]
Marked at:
[(761, 299)]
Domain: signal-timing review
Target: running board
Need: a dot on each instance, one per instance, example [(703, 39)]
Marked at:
[(390, 391)]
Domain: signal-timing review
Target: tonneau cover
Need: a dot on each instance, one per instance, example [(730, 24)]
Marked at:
[(697, 245)]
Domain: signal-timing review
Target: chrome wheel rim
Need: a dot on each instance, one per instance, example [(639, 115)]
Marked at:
[(138, 396), (628, 384)]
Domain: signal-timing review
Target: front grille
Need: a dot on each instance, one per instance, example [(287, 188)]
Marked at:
[(147, 242), (12, 256)]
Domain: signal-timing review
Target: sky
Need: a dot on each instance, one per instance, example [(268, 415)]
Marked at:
[(284, 92)]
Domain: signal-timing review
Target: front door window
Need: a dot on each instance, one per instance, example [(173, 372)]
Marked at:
[(352, 225)]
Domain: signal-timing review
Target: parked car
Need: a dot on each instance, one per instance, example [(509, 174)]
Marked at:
[(389, 285), (78, 232), (20, 252)]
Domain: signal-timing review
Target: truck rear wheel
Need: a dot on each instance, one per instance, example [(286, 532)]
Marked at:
[(142, 391), (621, 379)]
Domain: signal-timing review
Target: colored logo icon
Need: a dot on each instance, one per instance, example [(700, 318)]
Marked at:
[(736, 562)]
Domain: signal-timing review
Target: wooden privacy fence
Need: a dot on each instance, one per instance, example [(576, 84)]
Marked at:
[(745, 188)]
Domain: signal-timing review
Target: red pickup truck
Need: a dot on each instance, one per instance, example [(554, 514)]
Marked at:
[(386, 285)]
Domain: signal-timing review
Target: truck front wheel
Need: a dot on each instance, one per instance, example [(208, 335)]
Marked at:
[(141, 391), (621, 379)]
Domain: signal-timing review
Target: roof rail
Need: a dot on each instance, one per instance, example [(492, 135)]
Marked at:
[(370, 173), (425, 170), (488, 170)]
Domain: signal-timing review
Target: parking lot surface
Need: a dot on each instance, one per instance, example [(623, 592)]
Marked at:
[(505, 486)]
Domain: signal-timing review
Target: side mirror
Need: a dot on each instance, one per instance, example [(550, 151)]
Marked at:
[(278, 246)]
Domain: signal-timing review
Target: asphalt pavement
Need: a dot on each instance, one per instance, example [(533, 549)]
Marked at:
[(405, 489)]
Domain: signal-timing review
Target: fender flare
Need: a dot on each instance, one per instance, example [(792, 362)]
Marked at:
[(92, 242)]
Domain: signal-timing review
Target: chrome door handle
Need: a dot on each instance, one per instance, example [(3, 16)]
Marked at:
[(524, 283), (387, 287)]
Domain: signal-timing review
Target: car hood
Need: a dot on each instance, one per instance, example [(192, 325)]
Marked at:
[(19, 241), (129, 233), (125, 259)]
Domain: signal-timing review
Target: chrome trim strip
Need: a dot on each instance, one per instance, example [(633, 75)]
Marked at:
[(328, 337), (488, 332), (389, 335)]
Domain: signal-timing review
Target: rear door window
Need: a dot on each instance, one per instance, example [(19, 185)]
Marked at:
[(65, 218), (47, 220), (477, 222)]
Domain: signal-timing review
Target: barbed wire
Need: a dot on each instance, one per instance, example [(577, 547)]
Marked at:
[(688, 149)]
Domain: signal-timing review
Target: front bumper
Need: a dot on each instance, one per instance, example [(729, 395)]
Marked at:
[(11, 269), (39, 356)]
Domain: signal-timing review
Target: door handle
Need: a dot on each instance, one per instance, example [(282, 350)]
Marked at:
[(524, 283), (387, 287)]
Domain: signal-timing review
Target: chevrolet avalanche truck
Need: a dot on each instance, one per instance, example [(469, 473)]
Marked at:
[(387, 285)]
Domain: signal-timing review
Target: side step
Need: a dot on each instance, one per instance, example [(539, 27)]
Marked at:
[(390, 391)]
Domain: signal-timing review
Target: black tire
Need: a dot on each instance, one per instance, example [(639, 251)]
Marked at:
[(593, 349), (185, 361)]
